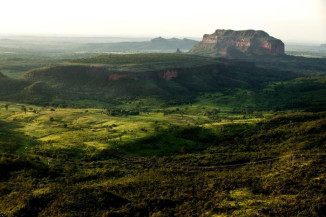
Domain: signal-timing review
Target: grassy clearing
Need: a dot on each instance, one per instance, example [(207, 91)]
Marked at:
[(70, 127), (66, 127)]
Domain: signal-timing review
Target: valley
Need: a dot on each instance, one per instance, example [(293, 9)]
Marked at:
[(161, 134)]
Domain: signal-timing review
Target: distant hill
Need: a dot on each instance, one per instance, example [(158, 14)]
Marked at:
[(166, 76), (170, 78), (231, 43), (2, 76), (323, 46), (156, 44), (10, 89)]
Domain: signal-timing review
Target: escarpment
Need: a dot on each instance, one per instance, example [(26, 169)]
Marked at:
[(231, 43)]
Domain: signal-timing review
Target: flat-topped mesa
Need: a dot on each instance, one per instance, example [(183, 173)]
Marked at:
[(238, 43)]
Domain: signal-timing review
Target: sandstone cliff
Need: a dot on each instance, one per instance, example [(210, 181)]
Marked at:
[(238, 43)]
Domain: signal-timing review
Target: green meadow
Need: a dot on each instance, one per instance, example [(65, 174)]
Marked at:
[(94, 128)]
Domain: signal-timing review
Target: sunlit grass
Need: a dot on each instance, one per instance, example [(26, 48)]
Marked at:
[(90, 127)]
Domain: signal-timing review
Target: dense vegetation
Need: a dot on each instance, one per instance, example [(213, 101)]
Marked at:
[(223, 138), (167, 165), (141, 75), (302, 65)]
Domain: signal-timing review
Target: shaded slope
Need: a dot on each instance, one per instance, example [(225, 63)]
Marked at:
[(11, 88), (168, 75)]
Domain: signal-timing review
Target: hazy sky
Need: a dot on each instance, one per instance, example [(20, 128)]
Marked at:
[(296, 20)]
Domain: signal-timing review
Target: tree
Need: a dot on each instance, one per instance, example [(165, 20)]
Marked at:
[(24, 109)]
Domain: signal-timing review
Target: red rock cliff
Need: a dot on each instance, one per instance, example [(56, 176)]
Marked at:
[(170, 74), (237, 43)]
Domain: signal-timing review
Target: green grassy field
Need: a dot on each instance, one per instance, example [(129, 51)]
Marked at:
[(89, 127), (178, 160)]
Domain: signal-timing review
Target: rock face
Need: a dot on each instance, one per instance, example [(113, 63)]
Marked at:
[(178, 51), (238, 43), (170, 74)]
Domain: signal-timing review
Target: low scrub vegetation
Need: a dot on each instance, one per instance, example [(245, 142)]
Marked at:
[(86, 162)]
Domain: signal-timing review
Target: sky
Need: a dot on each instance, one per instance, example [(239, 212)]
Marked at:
[(289, 20)]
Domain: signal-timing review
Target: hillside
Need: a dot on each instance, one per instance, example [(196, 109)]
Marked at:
[(231, 43), (155, 75), (10, 89), (192, 162), (303, 65), (156, 44), (174, 79), (2, 76)]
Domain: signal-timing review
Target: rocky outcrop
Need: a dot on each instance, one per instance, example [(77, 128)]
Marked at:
[(238, 43), (178, 51), (170, 74)]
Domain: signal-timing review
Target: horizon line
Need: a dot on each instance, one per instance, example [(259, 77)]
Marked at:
[(123, 36)]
